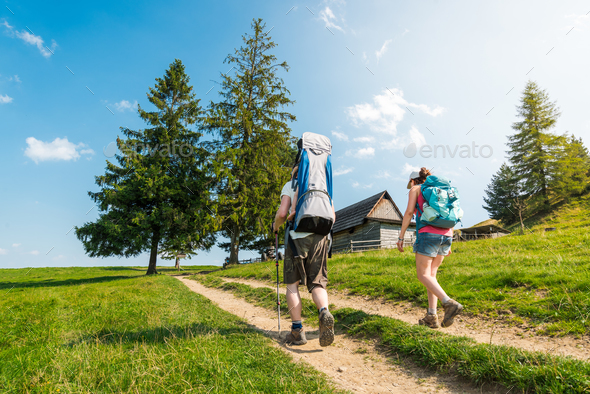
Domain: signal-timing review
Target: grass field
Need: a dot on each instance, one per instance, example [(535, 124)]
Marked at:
[(537, 279), (518, 370), (116, 330)]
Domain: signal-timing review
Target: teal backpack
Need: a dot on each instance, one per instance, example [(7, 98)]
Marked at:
[(441, 204)]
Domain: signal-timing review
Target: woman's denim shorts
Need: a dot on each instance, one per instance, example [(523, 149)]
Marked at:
[(431, 245)]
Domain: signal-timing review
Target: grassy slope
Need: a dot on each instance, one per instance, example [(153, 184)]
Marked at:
[(540, 278), (527, 372), (113, 329)]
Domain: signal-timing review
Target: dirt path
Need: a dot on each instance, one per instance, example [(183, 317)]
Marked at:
[(480, 330), (352, 364)]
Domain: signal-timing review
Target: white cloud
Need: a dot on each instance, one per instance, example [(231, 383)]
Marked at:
[(364, 139), (5, 99), (427, 110), (362, 153), (34, 252), (327, 15), (578, 21), (383, 49), (382, 175), (37, 41), (342, 171), (340, 136), (406, 31), (60, 257), (15, 79), (5, 24), (385, 112), (408, 168), (58, 149), (15, 245), (357, 185), (3, 251), (124, 105)]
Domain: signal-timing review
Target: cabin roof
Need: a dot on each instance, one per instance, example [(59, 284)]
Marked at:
[(357, 213), (484, 229)]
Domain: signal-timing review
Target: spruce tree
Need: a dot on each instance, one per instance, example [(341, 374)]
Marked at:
[(500, 193), (572, 165), (531, 149), (157, 200), (252, 138)]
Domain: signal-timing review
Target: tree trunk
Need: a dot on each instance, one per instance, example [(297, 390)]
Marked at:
[(234, 247), (521, 222), (177, 265), (154, 253)]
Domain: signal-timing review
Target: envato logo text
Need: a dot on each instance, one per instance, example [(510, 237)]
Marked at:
[(462, 151), (131, 150)]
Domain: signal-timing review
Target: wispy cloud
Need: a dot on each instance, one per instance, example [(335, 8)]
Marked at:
[(383, 49), (408, 168), (361, 153), (58, 149), (384, 114), (3, 251), (357, 185), (579, 21), (340, 136), (327, 15), (5, 99), (15, 245), (125, 105), (31, 39), (343, 171), (34, 252), (15, 79), (364, 139), (382, 174)]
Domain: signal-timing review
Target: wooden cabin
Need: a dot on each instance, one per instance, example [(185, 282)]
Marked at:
[(486, 229), (373, 223)]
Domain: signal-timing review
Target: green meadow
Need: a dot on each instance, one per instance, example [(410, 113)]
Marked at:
[(538, 279), (116, 330)]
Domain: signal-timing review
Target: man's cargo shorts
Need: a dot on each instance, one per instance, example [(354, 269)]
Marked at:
[(309, 267)]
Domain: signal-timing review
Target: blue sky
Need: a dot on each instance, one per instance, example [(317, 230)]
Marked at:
[(374, 76)]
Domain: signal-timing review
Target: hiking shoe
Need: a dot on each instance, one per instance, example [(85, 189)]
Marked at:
[(452, 308), (296, 337), (429, 320), (326, 328)]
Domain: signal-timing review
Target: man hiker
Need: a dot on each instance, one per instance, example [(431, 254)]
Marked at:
[(307, 266)]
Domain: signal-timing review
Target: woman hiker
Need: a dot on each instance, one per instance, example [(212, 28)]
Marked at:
[(431, 246)]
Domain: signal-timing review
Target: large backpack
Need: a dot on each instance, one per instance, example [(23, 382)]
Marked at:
[(441, 204), (314, 212)]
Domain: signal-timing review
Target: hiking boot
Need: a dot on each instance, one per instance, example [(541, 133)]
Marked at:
[(326, 328), (296, 337), (430, 320), (452, 308)]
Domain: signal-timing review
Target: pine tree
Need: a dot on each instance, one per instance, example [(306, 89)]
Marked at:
[(252, 138), (158, 199), (531, 148), (572, 166), (500, 194)]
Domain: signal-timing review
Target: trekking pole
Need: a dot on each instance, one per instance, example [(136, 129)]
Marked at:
[(277, 264)]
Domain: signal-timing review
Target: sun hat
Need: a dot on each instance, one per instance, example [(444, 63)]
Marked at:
[(413, 175)]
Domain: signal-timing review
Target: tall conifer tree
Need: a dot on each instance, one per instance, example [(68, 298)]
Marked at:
[(158, 198), (252, 136), (531, 149)]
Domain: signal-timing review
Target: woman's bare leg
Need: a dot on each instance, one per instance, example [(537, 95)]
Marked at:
[(432, 299), (424, 272)]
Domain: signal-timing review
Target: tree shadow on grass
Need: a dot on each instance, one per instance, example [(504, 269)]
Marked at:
[(159, 335), (65, 282)]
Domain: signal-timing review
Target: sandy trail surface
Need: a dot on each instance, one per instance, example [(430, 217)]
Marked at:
[(483, 331), (353, 365)]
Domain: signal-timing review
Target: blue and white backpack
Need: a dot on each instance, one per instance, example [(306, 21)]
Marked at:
[(314, 212), (441, 204)]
